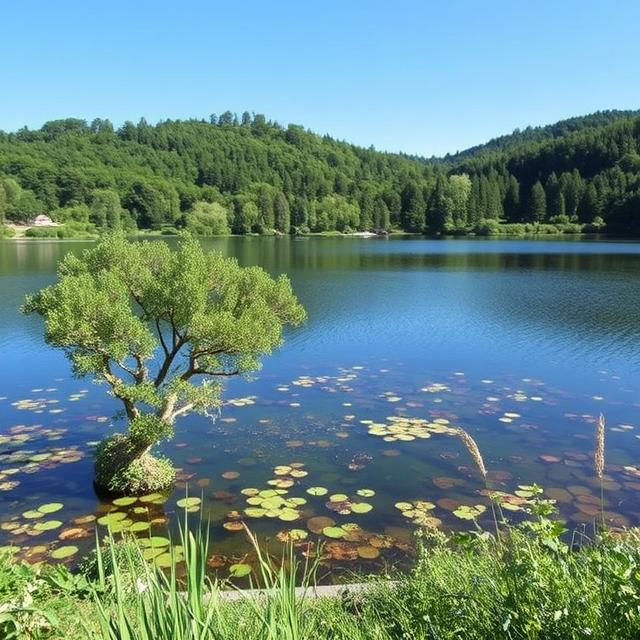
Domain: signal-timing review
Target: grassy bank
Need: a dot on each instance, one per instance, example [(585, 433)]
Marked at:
[(529, 582)]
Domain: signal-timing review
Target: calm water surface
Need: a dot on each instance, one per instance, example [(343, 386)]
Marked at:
[(521, 342)]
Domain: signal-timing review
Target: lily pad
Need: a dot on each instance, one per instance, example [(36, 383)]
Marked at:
[(124, 501), (63, 552), (367, 552), (47, 525), (32, 514), (316, 524), (239, 570), (50, 507), (366, 493), (189, 503), (465, 512), (317, 491), (361, 507), (111, 518), (334, 532)]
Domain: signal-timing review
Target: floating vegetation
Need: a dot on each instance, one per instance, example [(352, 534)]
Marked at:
[(62, 553), (239, 570), (418, 512), (403, 429), (465, 512), (292, 535), (189, 504)]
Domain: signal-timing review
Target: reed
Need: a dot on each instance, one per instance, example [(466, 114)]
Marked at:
[(598, 463), (598, 460), (473, 450)]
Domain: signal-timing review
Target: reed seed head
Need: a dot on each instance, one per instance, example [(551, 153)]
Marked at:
[(473, 449), (598, 460)]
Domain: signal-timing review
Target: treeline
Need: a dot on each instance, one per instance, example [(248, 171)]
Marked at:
[(586, 171), (250, 175)]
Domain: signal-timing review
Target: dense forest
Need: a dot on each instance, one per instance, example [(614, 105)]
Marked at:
[(251, 175)]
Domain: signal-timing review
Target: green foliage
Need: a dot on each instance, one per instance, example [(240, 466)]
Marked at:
[(208, 219), (274, 179), (161, 328), (122, 468)]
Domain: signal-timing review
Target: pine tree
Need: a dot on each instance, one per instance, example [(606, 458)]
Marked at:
[(512, 199), (282, 215), (537, 206)]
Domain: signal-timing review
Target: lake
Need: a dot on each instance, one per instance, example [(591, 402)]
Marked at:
[(523, 343)]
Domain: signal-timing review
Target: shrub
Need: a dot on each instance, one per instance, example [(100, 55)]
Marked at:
[(122, 466)]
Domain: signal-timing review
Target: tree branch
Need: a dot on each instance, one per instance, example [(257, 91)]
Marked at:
[(161, 337), (168, 361), (113, 380)]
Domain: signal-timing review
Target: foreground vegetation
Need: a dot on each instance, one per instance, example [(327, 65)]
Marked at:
[(531, 580), (250, 175), (526, 584)]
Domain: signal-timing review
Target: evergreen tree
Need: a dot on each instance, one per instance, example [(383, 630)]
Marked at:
[(537, 205), (589, 207), (512, 199), (282, 215)]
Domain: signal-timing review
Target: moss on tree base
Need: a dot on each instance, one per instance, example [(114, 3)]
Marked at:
[(122, 468)]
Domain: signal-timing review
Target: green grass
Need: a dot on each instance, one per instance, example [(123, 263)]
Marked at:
[(529, 584)]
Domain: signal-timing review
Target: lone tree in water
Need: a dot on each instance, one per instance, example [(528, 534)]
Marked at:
[(162, 329)]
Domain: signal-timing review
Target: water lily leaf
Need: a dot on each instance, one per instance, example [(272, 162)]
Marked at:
[(152, 552), (367, 552), (338, 497), (63, 552), (288, 515), (32, 514), (152, 497), (255, 512), (317, 491), (188, 503), (164, 560), (239, 570), (154, 542), (124, 501), (139, 526), (403, 506), (366, 493), (317, 523), (51, 507), (47, 525), (112, 518), (334, 532), (361, 507), (233, 526), (293, 535), (465, 512)]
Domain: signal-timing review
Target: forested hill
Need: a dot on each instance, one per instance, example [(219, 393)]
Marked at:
[(250, 175)]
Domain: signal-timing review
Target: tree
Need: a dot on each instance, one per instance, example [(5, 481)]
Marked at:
[(555, 199), (105, 210), (208, 219), (459, 193), (589, 207), (512, 199), (413, 208), (162, 329), (282, 214), (148, 204), (537, 205)]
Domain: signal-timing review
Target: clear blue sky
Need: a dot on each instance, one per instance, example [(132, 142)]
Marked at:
[(422, 76)]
